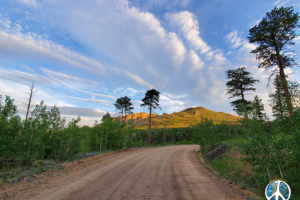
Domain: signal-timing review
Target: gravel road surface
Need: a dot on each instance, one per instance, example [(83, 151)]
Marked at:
[(171, 172)]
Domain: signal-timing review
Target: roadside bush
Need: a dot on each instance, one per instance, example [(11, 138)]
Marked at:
[(272, 148)]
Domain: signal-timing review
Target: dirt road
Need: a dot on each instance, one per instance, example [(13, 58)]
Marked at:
[(172, 172)]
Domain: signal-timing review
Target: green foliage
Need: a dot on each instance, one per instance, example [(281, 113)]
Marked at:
[(67, 142), (41, 135), (278, 99), (150, 101), (107, 116), (274, 36), (257, 109), (240, 81), (10, 125), (271, 148), (208, 135), (124, 105), (294, 89)]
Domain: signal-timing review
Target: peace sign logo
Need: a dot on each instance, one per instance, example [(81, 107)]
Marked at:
[(278, 190)]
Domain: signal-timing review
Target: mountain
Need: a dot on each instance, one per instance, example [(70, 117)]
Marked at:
[(185, 118)]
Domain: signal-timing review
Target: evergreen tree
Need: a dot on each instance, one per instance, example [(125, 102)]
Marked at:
[(274, 36), (150, 101), (124, 105), (107, 116), (127, 106), (240, 81), (257, 108), (120, 106), (294, 89), (277, 99)]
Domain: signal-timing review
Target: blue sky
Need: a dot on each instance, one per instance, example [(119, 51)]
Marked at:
[(83, 55)]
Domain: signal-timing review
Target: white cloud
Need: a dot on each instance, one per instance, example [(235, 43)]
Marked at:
[(52, 78), (234, 39), (70, 81), (170, 105), (172, 96), (29, 2), (86, 112), (195, 62), (138, 102), (139, 80), (30, 46), (24, 78), (84, 121), (151, 56), (297, 40), (129, 91), (98, 95), (253, 23), (187, 25), (163, 4), (96, 101), (280, 2), (133, 38), (219, 60), (4, 22)]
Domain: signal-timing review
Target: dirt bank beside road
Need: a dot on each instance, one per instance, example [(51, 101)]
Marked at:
[(172, 172)]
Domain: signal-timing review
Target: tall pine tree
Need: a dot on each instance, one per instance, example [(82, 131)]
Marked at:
[(124, 105), (127, 106), (274, 36), (240, 82), (150, 101)]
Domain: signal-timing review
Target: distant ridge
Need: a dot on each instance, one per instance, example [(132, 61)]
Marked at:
[(185, 118)]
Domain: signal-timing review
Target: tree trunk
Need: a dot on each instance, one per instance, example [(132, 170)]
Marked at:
[(125, 115), (101, 142), (30, 97), (96, 139), (122, 116), (284, 84), (88, 143), (105, 140), (68, 147), (287, 94), (149, 141), (243, 98)]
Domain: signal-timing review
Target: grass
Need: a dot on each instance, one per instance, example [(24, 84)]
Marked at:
[(230, 165)]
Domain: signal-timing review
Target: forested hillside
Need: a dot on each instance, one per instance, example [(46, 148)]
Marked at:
[(185, 118)]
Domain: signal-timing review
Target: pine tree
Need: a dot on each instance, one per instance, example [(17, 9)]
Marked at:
[(107, 116), (127, 106), (124, 105), (274, 36), (240, 81), (150, 101), (277, 99), (294, 89), (257, 107)]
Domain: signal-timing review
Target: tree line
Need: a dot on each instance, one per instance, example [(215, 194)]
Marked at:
[(274, 36), (150, 101)]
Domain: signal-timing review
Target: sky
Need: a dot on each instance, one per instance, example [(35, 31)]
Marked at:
[(83, 55)]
